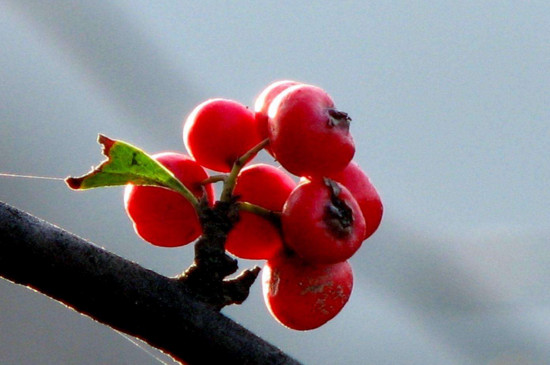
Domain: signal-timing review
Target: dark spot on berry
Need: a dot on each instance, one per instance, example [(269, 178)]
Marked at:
[(338, 119), (338, 215)]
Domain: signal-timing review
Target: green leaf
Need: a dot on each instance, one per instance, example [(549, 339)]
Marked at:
[(127, 164)]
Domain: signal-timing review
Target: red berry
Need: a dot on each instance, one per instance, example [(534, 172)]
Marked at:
[(262, 105), (218, 132), (359, 184), (164, 217), (322, 222), (255, 237), (304, 296), (308, 136), (264, 185)]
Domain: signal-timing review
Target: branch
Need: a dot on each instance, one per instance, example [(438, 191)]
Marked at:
[(123, 295), (206, 277)]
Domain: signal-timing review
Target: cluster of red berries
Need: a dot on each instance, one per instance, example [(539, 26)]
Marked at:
[(307, 230)]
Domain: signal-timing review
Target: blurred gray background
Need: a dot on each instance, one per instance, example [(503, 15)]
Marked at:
[(450, 106)]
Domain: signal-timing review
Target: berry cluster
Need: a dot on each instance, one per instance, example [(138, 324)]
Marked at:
[(306, 230)]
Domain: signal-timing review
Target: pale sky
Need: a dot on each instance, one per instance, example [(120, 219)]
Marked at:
[(449, 102)]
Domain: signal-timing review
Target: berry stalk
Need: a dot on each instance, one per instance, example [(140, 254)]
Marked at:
[(229, 185), (274, 217)]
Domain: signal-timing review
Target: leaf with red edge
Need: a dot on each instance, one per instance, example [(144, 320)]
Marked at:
[(127, 164)]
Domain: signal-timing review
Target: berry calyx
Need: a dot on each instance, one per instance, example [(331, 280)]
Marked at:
[(338, 216), (308, 136), (338, 118), (302, 295), (164, 217), (218, 132), (322, 221)]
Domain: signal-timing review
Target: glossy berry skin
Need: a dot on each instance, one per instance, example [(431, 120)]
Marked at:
[(322, 222), (218, 132), (255, 237), (308, 136), (164, 217), (304, 296), (359, 184), (262, 103)]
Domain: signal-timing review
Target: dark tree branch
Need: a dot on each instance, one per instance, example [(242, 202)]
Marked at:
[(206, 277), (121, 294)]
